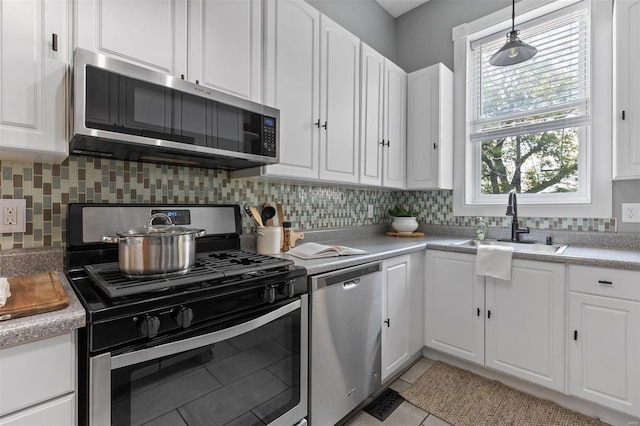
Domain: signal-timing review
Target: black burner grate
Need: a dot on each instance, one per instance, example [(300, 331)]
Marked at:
[(209, 266)]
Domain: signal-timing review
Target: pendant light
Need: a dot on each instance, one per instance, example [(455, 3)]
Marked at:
[(514, 51)]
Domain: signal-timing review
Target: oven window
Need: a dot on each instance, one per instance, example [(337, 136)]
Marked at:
[(251, 379)]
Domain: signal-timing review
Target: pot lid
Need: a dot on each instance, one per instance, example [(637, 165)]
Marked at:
[(157, 230)]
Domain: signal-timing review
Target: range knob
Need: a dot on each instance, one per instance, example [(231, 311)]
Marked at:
[(149, 326), (289, 288), (184, 316), (269, 294)]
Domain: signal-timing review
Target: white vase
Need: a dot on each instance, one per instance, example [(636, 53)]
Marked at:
[(404, 225)]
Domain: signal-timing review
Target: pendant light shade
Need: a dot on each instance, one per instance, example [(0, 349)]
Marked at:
[(514, 51)]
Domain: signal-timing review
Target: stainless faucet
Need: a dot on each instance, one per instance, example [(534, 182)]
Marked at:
[(512, 210)]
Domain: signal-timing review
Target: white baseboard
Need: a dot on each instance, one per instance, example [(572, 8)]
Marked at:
[(605, 414)]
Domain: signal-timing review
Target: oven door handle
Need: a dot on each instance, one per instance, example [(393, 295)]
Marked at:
[(172, 348)]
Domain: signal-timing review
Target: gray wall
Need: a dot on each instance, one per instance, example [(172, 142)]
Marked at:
[(364, 18), (423, 35)]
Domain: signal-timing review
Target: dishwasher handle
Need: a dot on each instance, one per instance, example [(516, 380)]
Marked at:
[(347, 285), (348, 278)]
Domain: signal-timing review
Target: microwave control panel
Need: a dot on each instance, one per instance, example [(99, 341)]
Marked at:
[(269, 136)]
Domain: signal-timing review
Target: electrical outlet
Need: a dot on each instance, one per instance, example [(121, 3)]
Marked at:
[(13, 213), (631, 212), (370, 211)]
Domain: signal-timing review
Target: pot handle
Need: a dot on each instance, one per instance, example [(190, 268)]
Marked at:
[(200, 233), (166, 218), (113, 240)]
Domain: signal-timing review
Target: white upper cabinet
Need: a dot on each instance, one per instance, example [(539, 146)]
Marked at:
[(225, 46), (339, 103), (382, 120), (317, 94), (371, 136), (627, 105), (33, 80), (150, 33), (395, 125), (292, 84), (430, 128)]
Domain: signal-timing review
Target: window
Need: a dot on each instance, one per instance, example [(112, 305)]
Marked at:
[(532, 126)]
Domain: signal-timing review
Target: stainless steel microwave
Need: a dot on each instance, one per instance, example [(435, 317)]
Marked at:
[(127, 112)]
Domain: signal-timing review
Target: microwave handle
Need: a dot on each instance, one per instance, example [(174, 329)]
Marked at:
[(195, 342)]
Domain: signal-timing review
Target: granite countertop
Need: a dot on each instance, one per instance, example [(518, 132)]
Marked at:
[(48, 324), (383, 247), (582, 250)]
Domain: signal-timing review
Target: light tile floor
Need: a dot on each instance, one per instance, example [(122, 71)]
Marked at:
[(406, 414)]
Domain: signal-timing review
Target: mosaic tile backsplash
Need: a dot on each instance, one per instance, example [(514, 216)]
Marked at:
[(49, 188)]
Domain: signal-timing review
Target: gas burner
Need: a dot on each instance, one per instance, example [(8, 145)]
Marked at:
[(210, 268)]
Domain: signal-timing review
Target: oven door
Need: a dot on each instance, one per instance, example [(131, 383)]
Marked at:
[(254, 372)]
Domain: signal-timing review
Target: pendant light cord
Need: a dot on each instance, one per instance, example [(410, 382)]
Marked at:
[(513, 16)]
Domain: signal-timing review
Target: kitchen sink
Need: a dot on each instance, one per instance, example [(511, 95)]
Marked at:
[(534, 247)]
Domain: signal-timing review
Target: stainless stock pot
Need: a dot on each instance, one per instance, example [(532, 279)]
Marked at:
[(154, 251)]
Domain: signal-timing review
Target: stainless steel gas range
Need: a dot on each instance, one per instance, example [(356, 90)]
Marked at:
[(225, 343)]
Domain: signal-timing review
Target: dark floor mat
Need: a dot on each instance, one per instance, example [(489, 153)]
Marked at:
[(384, 404)]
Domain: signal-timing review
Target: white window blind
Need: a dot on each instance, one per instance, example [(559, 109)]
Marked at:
[(550, 91)]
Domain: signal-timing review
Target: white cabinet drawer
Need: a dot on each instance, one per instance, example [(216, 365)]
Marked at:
[(605, 282), (59, 412), (35, 372)]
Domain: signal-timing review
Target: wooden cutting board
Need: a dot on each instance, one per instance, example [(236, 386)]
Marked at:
[(34, 294)]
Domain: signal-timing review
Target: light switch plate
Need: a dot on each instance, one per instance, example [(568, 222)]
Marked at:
[(13, 215)]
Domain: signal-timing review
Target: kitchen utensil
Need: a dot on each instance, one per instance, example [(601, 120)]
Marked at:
[(154, 251), (256, 216), (252, 212), (268, 240), (268, 212), (280, 215), (34, 294)]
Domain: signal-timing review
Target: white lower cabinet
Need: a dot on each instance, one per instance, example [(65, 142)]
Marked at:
[(524, 323), (402, 287), (514, 326), (604, 350), (454, 305), (38, 381)]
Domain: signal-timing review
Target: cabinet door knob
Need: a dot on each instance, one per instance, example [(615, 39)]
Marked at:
[(54, 42)]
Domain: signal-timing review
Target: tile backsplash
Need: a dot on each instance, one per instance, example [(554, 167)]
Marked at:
[(49, 188)]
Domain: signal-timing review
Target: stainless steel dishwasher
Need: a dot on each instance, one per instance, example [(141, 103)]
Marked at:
[(346, 320)]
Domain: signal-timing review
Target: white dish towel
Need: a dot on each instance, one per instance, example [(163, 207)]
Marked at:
[(5, 292), (494, 261)]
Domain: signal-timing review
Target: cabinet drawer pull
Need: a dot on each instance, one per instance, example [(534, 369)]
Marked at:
[(488, 314), (435, 145), (388, 322), (575, 334), (382, 143), (54, 42), (325, 125), (605, 282), (478, 311), (317, 123)]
